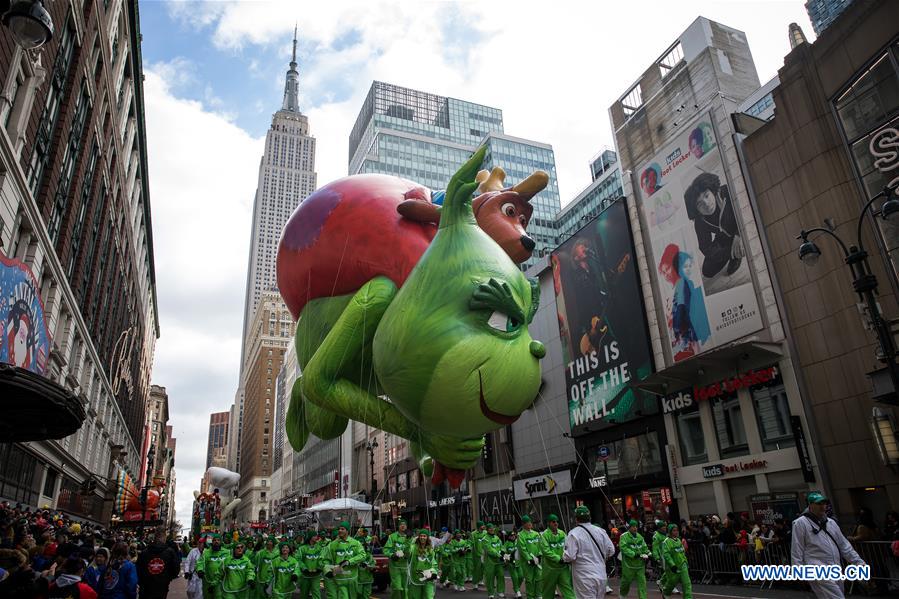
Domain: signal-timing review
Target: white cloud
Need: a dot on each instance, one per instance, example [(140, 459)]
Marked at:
[(203, 172)]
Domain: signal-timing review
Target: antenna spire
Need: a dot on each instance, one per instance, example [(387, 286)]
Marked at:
[(293, 60)]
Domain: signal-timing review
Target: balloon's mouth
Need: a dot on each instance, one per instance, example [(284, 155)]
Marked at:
[(490, 414)]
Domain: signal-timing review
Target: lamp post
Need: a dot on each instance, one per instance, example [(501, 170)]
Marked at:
[(29, 22), (864, 282), (372, 445)]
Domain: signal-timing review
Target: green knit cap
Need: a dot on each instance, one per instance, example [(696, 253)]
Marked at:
[(672, 526), (344, 524), (525, 519), (632, 523), (481, 523), (552, 518)]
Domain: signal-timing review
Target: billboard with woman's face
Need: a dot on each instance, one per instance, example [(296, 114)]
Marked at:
[(24, 341), (697, 243)]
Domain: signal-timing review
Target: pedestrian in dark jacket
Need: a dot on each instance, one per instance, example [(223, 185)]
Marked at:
[(120, 578), (157, 565)]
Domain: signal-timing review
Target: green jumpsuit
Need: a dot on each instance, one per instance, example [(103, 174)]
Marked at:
[(476, 557), (352, 554), (444, 559), (493, 565), (238, 575), (328, 581), (513, 564), (633, 567), (310, 563), (397, 549), (264, 570), (422, 566), (284, 578), (528, 549), (366, 569), (676, 569), (459, 550), (556, 573), (657, 539), (210, 564)]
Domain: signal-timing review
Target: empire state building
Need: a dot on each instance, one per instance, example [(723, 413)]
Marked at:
[(286, 177)]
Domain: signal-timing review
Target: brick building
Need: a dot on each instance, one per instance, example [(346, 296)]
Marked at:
[(74, 207)]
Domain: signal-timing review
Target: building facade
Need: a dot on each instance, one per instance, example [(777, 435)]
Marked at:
[(425, 138), (824, 154), (270, 335), (735, 426), (823, 12), (596, 197), (74, 207), (217, 443), (286, 177)]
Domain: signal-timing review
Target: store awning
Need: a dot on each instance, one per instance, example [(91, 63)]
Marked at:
[(712, 366), (35, 408)]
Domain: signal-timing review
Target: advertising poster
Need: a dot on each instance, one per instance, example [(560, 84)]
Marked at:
[(602, 323), (697, 244), (24, 339)]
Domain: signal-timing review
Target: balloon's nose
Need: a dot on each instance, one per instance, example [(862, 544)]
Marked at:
[(528, 243), (537, 349)]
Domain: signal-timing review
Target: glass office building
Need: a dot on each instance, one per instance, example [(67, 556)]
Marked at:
[(822, 12), (425, 138), (596, 197)]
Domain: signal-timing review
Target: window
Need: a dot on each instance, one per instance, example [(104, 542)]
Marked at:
[(870, 100), (728, 421), (773, 414), (690, 437), (50, 483)]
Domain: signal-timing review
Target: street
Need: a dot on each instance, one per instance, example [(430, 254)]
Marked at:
[(178, 591)]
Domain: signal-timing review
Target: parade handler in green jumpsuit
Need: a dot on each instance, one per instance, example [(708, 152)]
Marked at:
[(285, 573), (397, 549), (264, 569), (460, 547), (675, 559), (493, 563), (311, 563), (238, 574), (634, 554), (209, 567), (328, 581), (556, 573), (658, 537), (367, 566), (422, 567), (477, 555), (512, 563), (529, 557), (342, 559)]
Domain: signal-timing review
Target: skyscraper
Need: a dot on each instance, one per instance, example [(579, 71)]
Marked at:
[(593, 199), (425, 138), (822, 12), (217, 445), (286, 177)]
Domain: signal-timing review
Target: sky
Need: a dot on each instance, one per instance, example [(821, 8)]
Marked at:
[(214, 75)]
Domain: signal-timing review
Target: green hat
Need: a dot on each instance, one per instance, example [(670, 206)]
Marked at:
[(491, 525), (424, 531), (582, 510), (481, 523), (401, 521), (672, 526), (285, 544), (344, 524), (632, 523), (457, 532), (660, 523), (552, 518), (213, 535), (816, 497), (525, 519)]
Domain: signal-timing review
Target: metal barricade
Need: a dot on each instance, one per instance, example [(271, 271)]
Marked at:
[(884, 567), (698, 563)]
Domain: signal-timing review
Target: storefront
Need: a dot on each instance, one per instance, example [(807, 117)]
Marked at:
[(738, 445), (450, 507), (407, 496), (624, 473)]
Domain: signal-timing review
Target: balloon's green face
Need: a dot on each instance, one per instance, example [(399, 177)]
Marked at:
[(490, 372)]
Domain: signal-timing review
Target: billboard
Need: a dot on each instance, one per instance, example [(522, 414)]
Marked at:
[(24, 339), (698, 250), (602, 323)]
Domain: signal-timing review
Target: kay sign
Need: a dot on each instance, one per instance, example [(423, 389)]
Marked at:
[(686, 398)]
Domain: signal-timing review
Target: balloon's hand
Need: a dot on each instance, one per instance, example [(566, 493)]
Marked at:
[(453, 452)]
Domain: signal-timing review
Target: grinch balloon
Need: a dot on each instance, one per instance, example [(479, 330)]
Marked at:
[(419, 334)]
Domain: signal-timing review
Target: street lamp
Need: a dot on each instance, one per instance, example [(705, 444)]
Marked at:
[(864, 282), (151, 457), (372, 445), (29, 22)]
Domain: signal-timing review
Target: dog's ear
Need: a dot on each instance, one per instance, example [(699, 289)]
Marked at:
[(419, 211)]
